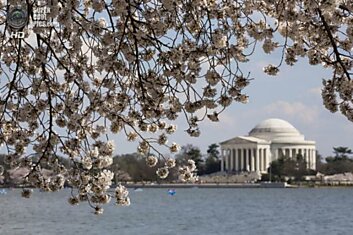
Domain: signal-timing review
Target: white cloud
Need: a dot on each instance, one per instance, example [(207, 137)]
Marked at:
[(293, 110), (315, 91)]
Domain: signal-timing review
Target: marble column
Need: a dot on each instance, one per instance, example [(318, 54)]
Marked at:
[(277, 151), (231, 159), (242, 159), (246, 159), (260, 159), (257, 156), (314, 159), (306, 157), (264, 159), (236, 159), (284, 152), (227, 160), (268, 158), (252, 163), (247, 155), (290, 153), (222, 161), (249, 159)]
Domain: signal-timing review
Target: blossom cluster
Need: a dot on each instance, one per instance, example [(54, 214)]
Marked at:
[(320, 30), (121, 195), (187, 173), (163, 172), (134, 67)]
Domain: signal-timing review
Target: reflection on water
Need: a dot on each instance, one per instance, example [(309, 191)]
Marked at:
[(189, 211)]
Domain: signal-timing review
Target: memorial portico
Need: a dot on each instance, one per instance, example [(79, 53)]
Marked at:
[(268, 141)]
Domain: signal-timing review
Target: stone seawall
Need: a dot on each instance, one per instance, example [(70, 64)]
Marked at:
[(208, 185)]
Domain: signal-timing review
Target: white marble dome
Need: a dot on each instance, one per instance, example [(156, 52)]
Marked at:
[(268, 141), (276, 130)]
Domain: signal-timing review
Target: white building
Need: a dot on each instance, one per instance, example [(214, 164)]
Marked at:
[(266, 142)]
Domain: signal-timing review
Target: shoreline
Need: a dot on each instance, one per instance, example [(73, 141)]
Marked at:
[(175, 185), (210, 185), (234, 185), (215, 185)]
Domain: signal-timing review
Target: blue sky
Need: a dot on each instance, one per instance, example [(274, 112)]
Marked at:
[(294, 95)]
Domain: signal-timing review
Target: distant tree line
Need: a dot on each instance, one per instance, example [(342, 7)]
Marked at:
[(341, 162), (133, 167), (288, 167)]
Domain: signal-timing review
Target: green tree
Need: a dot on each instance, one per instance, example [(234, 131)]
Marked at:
[(339, 163), (135, 166), (300, 168), (276, 169), (292, 167), (342, 152), (337, 166), (212, 160)]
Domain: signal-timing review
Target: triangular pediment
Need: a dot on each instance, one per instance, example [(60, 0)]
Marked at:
[(244, 140)]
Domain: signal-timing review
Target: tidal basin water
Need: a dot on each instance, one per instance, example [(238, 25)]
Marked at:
[(189, 211)]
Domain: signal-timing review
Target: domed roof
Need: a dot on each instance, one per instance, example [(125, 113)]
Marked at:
[(276, 130)]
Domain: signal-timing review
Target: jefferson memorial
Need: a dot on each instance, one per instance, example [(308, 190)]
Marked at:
[(269, 140)]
